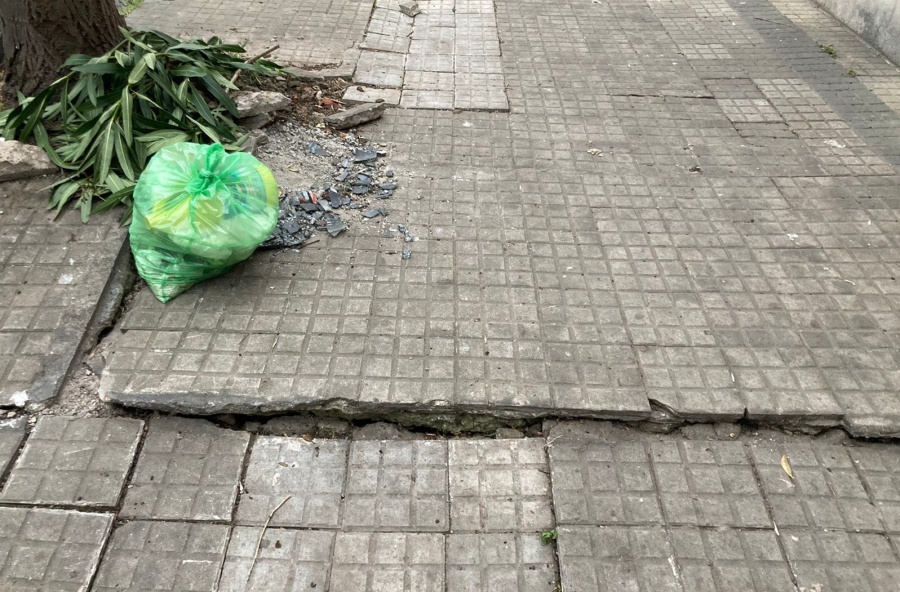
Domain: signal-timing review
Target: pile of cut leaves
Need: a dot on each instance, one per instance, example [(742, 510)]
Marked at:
[(108, 115)]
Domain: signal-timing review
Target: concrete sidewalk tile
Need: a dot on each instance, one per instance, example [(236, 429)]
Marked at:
[(607, 558), (397, 485), (52, 275), (826, 491), (707, 484), (499, 486), (500, 562), (879, 468), (311, 473), (598, 483), (371, 562), (43, 550), (380, 69), (163, 556), (837, 560), (726, 559), (288, 560), (12, 432), (77, 461), (188, 470)]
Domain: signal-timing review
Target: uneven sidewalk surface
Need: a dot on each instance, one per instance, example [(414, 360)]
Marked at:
[(690, 208), (179, 504)]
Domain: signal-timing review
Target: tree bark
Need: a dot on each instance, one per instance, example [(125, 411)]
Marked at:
[(39, 35)]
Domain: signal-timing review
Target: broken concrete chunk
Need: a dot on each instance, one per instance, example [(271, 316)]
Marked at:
[(20, 161), (250, 103), (354, 95), (256, 122), (364, 154), (355, 116), (410, 8)]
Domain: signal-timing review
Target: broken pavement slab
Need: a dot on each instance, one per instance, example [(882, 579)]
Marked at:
[(355, 94), (46, 549), (251, 103), (62, 281), (20, 161), (410, 8), (356, 116)]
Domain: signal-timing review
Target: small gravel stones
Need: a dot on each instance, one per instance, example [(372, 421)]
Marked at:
[(357, 174)]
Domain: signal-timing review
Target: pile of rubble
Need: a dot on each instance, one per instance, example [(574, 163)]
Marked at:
[(357, 178)]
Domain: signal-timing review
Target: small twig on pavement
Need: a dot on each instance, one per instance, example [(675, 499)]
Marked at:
[(253, 59), (261, 535)]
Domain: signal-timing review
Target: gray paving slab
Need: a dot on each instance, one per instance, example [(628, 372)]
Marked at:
[(706, 223), (879, 470), (52, 277), (725, 559), (839, 560), (296, 27), (188, 469), (606, 558), (288, 560), (826, 491), (499, 562), (74, 461), (397, 486), (603, 483), (43, 549), (406, 562), (310, 475), (499, 486), (707, 484), (12, 432), (153, 555)]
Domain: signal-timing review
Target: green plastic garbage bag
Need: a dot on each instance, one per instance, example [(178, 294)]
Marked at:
[(198, 211)]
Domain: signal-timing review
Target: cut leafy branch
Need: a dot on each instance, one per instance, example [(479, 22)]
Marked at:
[(103, 119)]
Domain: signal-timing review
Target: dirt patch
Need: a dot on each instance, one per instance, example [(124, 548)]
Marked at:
[(311, 102)]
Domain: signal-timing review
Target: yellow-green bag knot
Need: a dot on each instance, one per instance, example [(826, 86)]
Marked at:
[(197, 212)]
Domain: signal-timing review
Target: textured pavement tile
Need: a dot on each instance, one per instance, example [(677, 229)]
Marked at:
[(288, 560), (707, 484), (163, 556), (718, 200), (68, 460), (296, 27), (397, 485), (12, 431), (52, 274), (499, 562), (599, 483), (353, 95), (43, 550), (188, 470), (837, 560), (311, 473), (879, 468), (607, 558), (380, 69), (427, 99), (499, 486), (728, 559), (826, 491), (371, 562)]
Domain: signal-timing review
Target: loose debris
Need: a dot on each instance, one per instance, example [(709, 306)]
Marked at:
[(786, 465), (344, 176), (356, 116), (410, 8), (251, 103)]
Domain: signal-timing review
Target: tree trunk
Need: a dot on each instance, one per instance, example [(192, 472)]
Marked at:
[(39, 35)]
